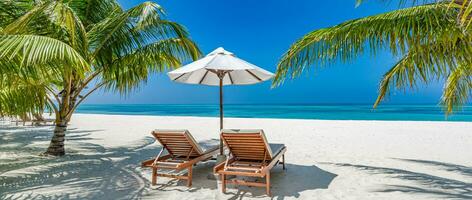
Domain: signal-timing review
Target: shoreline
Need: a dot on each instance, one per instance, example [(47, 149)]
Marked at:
[(267, 118), (311, 112)]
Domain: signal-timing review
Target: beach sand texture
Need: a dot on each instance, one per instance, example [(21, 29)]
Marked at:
[(325, 160)]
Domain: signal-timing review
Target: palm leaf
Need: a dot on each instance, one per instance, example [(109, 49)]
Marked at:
[(55, 19), (426, 63), (397, 31), (22, 97), (91, 12), (40, 51), (127, 72), (130, 30), (465, 14), (12, 10), (457, 89), (28, 21), (403, 74)]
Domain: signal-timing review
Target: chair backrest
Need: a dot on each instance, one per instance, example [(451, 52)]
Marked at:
[(178, 142), (247, 144)]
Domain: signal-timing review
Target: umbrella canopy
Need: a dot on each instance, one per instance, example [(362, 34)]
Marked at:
[(219, 68), (207, 71)]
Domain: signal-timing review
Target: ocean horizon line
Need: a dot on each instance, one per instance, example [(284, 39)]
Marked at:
[(285, 104)]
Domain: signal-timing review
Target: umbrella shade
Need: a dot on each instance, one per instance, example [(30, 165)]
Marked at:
[(220, 62), (220, 68)]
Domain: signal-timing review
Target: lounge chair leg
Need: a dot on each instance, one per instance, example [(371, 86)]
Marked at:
[(154, 176), (189, 180), (283, 161), (268, 184), (223, 183)]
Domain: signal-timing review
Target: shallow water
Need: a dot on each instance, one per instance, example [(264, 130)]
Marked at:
[(330, 112)]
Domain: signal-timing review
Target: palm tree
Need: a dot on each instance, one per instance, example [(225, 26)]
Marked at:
[(431, 41), (63, 51)]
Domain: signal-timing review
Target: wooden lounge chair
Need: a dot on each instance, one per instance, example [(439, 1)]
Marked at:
[(182, 153), (250, 155)]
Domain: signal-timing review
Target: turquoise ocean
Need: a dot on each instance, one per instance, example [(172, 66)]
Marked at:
[(324, 112)]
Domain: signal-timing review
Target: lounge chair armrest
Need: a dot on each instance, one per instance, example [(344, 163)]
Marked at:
[(198, 159), (218, 167), (147, 163), (221, 165), (275, 159), (150, 162)]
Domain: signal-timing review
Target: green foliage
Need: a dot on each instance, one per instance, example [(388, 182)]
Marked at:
[(427, 37), (465, 14), (33, 50), (70, 44), (22, 97), (11, 10), (458, 88)]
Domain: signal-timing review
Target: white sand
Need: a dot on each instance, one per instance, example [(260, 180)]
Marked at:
[(326, 160)]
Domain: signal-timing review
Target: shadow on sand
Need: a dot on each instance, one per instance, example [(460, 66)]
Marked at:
[(425, 184), (286, 183), (94, 173), (91, 171)]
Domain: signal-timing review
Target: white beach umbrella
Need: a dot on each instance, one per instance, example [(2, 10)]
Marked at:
[(219, 68)]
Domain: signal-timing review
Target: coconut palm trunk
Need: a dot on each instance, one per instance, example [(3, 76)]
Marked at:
[(56, 146)]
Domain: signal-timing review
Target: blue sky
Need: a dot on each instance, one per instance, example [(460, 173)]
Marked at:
[(260, 32)]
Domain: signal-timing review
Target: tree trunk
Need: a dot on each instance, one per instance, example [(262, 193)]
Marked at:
[(63, 115), (56, 146)]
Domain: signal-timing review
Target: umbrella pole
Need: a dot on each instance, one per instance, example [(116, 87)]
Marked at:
[(221, 114)]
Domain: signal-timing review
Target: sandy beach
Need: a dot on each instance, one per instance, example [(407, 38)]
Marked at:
[(325, 160)]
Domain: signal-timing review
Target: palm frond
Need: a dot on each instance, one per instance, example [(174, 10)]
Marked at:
[(21, 97), (131, 30), (12, 10), (65, 18), (55, 19), (32, 50), (426, 63), (91, 12), (139, 41), (29, 21), (457, 89), (397, 31), (403, 74), (465, 11), (127, 72)]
